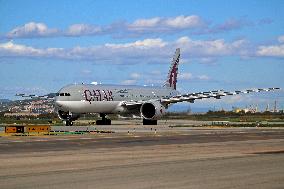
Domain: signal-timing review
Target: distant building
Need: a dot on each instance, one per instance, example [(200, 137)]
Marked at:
[(21, 114), (32, 106), (245, 110)]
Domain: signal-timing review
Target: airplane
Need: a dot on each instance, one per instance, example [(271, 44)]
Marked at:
[(150, 102)]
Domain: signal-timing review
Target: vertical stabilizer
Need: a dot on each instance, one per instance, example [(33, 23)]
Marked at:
[(171, 81)]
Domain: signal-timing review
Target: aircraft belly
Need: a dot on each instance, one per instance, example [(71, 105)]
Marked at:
[(93, 107)]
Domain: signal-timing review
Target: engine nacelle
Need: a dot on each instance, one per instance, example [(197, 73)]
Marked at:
[(67, 116), (152, 110)]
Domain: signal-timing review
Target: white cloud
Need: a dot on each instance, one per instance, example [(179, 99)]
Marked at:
[(10, 48), (147, 50), (183, 40), (85, 71), (184, 22), (237, 99), (185, 76), (139, 27), (17, 50), (189, 76), (226, 100), (248, 99), (144, 23), (32, 29), (95, 83), (154, 82), (135, 75), (129, 82), (83, 29), (147, 43), (162, 24), (228, 25), (210, 48), (150, 78), (272, 51), (232, 24), (155, 72), (207, 60), (276, 50), (203, 77), (281, 39)]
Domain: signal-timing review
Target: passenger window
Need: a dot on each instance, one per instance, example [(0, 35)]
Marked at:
[(67, 94), (57, 94), (61, 94)]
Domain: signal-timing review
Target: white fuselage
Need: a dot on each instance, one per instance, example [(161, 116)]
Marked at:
[(89, 98)]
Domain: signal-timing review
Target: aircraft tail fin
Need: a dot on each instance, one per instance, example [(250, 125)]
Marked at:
[(173, 72)]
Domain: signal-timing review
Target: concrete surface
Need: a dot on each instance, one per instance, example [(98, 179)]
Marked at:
[(195, 158)]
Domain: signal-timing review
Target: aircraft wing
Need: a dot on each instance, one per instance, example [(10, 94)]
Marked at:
[(217, 94), (33, 96)]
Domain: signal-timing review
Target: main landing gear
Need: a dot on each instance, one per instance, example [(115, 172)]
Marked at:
[(150, 122), (104, 120)]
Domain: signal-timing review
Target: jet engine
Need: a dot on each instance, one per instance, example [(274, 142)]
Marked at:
[(152, 110)]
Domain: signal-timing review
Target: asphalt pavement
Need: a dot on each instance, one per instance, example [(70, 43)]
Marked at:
[(196, 158)]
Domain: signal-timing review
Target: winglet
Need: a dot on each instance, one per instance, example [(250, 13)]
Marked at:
[(173, 72)]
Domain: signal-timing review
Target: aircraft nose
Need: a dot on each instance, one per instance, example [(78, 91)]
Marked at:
[(58, 104)]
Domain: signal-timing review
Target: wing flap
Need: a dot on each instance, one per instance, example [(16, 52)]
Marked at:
[(217, 94)]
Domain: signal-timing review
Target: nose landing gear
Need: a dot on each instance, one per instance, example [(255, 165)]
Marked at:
[(68, 117)]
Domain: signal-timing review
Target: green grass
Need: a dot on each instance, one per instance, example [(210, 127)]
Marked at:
[(209, 116), (228, 116)]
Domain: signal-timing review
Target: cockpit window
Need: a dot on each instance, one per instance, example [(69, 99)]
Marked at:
[(63, 94)]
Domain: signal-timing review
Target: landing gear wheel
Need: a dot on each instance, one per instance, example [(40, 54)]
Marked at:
[(69, 123), (150, 122), (104, 120), (108, 122)]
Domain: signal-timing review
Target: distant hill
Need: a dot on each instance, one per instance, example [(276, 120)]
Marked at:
[(4, 100), (187, 108)]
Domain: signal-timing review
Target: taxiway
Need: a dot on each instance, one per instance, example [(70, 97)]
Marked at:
[(170, 158)]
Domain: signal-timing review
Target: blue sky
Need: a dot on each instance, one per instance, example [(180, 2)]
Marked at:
[(45, 45)]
